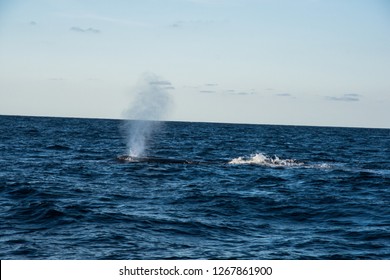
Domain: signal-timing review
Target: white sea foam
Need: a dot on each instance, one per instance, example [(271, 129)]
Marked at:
[(321, 165), (261, 159), (275, 161)]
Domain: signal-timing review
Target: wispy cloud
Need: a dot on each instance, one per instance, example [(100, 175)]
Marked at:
[(162, 84), (105, 19), (240, 92), (284, 94), (208, 88), (204, 87), (245, 93), (177, 24), (348, 97), (168, 87), (84, 30), (207, 91), (214, 88)]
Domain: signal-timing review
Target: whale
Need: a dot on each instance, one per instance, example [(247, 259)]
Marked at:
[(132, 159), (125, 158)]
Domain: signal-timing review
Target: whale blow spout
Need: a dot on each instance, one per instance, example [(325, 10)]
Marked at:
[(151, 104)]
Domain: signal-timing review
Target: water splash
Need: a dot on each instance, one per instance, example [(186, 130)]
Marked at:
[(261, 159), (275, 161), (151, 104)]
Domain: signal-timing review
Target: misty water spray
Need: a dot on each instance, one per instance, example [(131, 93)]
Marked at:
[(152, 102)]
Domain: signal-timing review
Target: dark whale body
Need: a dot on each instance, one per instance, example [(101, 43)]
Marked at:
[(155, 160), (130, 159)]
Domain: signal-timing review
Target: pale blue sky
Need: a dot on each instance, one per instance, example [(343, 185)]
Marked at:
[(304, 62)]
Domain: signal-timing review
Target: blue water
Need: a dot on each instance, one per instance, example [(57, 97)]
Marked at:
[(247, 192)]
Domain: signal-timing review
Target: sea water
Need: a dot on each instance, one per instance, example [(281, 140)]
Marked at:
[(209, 191)]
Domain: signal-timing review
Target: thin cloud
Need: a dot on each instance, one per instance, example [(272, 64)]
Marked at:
[(33, 23), (105, 19), (207, 91), (84, 30), (168, 87), (283, 94), (177, 24), (348, 97), (77, 29), (245, 93), (160, 83), (240, 92)]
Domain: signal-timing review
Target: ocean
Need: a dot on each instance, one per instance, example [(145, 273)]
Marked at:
[(69, 190)]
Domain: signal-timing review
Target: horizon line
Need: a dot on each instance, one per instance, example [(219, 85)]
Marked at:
[(190, 121)]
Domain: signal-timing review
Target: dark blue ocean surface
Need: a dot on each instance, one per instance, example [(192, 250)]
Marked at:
[(216, 191)]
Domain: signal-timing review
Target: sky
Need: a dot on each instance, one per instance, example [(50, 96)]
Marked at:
[(291, 62)]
